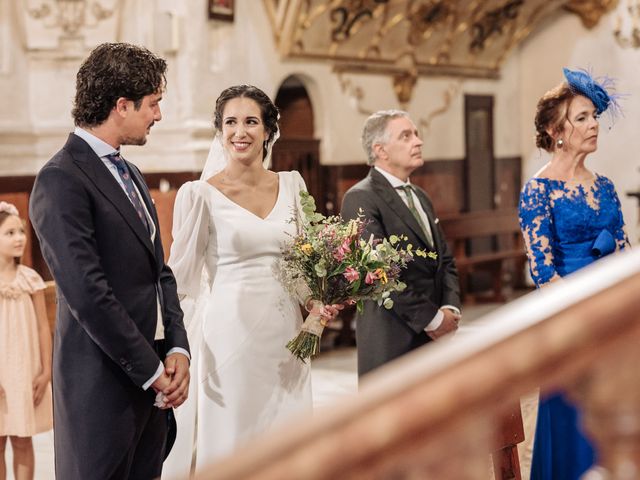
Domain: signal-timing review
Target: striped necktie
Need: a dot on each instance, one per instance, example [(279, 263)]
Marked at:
[(408, 192), (129, 187)]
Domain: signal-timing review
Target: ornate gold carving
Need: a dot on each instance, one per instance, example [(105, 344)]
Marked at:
[(68, 15), (464, 37), (452, 91), (632, 38), (590, 11), (403, 84), (347, 17), (409, 38), (493, 23), (426, 17), (355, 93)]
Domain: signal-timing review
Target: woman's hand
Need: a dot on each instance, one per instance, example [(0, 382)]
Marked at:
[(39, 387), (327, 313), (1, 392)]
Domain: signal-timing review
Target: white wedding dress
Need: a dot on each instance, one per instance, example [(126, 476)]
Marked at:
[(239, 319)]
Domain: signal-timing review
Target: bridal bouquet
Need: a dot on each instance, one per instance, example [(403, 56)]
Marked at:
[(331, 261)]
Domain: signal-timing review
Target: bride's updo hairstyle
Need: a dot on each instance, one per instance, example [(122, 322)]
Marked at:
[(551, 113), (267, 108)]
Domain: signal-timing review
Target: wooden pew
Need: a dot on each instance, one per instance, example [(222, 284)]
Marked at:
[(503, 228)]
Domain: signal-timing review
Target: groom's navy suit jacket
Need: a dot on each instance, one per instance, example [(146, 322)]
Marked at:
[(109, 276), (383, 335)]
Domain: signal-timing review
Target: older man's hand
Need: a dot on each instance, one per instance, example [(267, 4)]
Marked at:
[(449, 324)]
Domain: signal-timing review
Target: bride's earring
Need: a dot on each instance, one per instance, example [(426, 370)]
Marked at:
[(559, 143)]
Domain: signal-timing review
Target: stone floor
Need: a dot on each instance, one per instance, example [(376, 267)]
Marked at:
[(333, 375)]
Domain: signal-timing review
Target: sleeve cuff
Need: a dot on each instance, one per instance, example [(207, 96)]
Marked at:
[(435, 322), (179, 350), (149, 382), (452, 308)]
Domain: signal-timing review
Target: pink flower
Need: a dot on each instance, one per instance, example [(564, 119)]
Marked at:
[(370, 278), (351, 274), (342, 251)]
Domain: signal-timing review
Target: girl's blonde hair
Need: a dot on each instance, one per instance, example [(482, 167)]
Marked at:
[(8, 210)]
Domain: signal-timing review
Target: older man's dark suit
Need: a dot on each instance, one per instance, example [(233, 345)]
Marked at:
[(108, 274), (381, 334)]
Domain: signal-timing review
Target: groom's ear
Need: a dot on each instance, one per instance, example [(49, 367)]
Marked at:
[(121, 107)]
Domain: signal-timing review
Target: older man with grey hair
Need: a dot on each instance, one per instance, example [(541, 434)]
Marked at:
[(430, 305)]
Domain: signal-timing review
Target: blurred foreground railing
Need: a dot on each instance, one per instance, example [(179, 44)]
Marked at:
[(433, 414)]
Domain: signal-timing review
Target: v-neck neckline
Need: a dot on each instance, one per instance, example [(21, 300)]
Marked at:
[(253, 214)]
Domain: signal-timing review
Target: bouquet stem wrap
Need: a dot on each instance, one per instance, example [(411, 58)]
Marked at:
[(307, 342)]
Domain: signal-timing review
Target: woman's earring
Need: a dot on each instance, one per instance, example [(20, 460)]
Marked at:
[(559, 143)]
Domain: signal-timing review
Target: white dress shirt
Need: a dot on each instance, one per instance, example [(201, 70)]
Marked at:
[(395, 182), (102, 149)]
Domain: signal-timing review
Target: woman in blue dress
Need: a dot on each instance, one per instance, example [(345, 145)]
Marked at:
[(570, 217)]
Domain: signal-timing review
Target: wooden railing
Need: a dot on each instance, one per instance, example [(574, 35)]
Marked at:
[(433, 413)]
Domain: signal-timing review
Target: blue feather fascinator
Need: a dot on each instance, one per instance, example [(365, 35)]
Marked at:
[(600, 90)]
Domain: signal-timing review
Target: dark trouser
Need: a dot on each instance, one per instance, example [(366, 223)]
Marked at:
[(115, 433)]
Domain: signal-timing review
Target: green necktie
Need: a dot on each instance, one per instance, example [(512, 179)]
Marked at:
[(408, 189)]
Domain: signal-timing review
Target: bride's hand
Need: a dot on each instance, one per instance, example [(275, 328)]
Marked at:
[(327, 313)]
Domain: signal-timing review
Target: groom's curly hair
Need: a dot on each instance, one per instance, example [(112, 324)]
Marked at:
[(111, 71), (268, 109)]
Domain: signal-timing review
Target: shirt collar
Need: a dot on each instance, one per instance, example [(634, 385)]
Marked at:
[(393, 180), (100, 147)]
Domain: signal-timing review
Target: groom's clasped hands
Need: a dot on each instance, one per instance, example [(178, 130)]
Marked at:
[(172, 386)]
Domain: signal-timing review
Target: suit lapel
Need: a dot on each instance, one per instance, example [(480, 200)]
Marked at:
[(391, 197), (144, 192), (146, 198), (87, 160)]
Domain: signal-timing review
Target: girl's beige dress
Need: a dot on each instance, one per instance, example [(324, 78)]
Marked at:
[(20, 358)]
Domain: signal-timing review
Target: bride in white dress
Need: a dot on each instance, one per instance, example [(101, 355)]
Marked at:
[(228, 231)]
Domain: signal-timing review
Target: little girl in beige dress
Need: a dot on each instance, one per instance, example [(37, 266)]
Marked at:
[(25, 350)]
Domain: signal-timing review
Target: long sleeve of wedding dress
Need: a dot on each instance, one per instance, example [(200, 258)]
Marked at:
[(190, 237), (190, 233)]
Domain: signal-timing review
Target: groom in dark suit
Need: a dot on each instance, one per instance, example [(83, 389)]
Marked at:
[(430, 305), (120, 344)]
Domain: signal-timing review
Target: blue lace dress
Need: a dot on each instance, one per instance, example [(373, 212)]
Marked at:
[(566, 226)]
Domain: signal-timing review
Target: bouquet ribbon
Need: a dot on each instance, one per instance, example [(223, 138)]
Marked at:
[(314, 324), (307, 343)]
